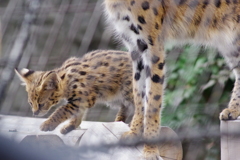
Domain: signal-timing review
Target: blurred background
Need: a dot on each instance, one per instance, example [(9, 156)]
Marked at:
[(42, 34)]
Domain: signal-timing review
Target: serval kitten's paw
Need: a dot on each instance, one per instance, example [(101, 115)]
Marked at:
[(120, 119), (151, 153), (229, 114), (67, 128), (48, 125), (130, 138)]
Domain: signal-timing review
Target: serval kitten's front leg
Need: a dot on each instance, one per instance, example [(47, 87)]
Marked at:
[(122, 114), (75, 121), (60, 115)]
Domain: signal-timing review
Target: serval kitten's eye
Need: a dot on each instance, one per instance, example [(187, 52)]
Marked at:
[(40, 106)]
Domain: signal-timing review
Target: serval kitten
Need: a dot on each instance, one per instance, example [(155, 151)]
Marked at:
[(144, 26), (99, 76)]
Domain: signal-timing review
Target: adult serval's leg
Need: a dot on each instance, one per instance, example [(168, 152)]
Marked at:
[(233, 60), (138, 24), (154, 67), (148, 79)]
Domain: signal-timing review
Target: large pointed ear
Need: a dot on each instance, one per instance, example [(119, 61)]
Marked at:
[(24, 75), (50, 81)]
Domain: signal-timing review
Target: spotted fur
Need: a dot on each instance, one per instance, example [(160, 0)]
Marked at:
[(99, 76), (203, 22)]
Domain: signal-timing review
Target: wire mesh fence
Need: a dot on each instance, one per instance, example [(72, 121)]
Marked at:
[(41, 35)]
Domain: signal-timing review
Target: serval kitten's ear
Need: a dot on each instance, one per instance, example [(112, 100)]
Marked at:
[(24, 75), (50, 81)]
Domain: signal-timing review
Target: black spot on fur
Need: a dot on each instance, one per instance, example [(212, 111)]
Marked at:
[(143, 94), (197, 21), (156, 26), (74, 86), (205, 3), (106, 64), (155, 110), (112, 68), (141, 20), (155, 11), (140, 65), (85, 93), (73, 70), (238, 18), (148, 71), (137, 76), (182, 2), (117, 59), (228, 2), (82, 73), (135, 55), (145, 5), (157, 79), (150, 40), (157, 97), (217, 3), (85, 66), (161, 65), (126, 18), (139, 27), (83, 85), (134, 29), (155, 59), (90, 77), (128, 83), (142, 45), (63, 76), (132, 3)]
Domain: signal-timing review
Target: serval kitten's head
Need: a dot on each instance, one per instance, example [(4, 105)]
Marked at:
[(43, 89)]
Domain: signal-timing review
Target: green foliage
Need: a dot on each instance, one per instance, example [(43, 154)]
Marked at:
[(195, 89)]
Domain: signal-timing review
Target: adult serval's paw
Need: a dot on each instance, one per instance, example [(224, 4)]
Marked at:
[(151, 153), (130, 138), (229, 114), (67, 128), (48, 125)]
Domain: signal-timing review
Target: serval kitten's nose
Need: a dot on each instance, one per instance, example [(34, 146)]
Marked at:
[(35, 113)]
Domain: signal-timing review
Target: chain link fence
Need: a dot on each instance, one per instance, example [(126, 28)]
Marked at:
[(42, 34)]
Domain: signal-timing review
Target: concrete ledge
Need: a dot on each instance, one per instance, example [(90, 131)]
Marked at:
[(230, 140), (92, 139)]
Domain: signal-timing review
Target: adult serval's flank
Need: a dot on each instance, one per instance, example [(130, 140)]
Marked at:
[(145, 25)]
